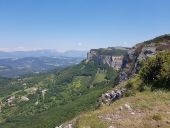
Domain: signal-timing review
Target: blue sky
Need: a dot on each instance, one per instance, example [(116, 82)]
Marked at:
[(80, 24)]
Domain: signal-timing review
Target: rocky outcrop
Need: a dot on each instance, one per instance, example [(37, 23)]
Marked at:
[(112, 95), (113, 57), (132, 60), (131, 63)]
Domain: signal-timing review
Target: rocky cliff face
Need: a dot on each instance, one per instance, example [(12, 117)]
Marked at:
[(128, 60), (113, 57), (131, 64), (140, 52)]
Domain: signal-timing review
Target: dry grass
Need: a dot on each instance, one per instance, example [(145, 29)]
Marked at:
[(148, 110)]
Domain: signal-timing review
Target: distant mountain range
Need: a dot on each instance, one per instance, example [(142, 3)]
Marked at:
[(42, 53), (19, 63), (12, 67)]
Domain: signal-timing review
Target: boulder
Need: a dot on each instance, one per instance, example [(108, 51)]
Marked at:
[(112, 95)]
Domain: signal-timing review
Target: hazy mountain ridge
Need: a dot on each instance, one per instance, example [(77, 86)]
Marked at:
[(12, 67), (42, 53)]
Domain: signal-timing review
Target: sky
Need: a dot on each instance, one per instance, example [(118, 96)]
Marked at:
[(80, 24)]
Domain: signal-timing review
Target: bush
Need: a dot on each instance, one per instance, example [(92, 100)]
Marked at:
[(157, 117), (156, 71)]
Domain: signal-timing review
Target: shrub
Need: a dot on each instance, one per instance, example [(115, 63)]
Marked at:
[(157, 117), (156, 71)]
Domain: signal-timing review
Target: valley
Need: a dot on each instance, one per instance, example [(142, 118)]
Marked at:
[(74, 87), (81, 95), (17, 67)]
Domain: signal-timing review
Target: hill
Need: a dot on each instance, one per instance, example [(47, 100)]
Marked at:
[(145, 104), (109, 89), (142, 97), (54, 97)]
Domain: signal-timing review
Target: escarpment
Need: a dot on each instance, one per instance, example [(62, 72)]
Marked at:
[(113, 57), (131, 63), (128, 60), (136, 55)]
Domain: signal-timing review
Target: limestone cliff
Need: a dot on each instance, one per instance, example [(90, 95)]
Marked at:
[(140, 52), (131, 64), (111, 56), (128, 60)]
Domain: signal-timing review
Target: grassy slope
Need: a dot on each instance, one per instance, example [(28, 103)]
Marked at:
[(149, 109)]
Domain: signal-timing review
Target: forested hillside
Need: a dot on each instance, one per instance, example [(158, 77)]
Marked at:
[(47, 100)]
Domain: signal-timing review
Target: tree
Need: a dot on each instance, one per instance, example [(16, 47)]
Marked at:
[(156, 70)]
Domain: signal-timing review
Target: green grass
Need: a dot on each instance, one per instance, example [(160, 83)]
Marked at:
[(150, 109), (100, 76), (147, 106)]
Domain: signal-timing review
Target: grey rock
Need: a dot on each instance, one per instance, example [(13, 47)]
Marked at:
[(112, 95)]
